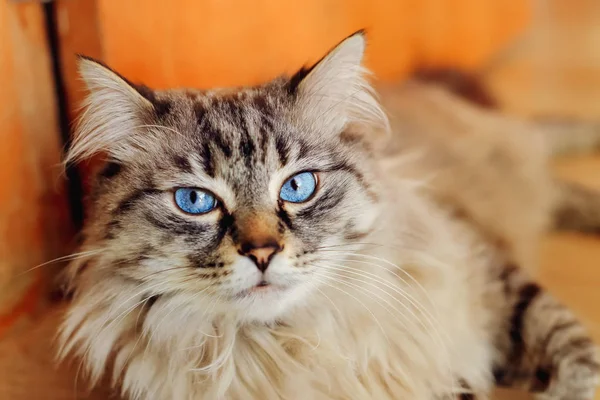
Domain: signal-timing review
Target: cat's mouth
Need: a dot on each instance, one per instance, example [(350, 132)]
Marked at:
[(264, 286), (261, 288)]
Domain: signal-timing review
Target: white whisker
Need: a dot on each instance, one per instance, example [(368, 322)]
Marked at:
[(366, 290), (372, 281), (69, 257), (409, 298), (324, 282), (398, 268), (374, 277)]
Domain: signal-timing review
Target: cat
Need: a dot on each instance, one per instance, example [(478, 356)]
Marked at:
[(292, 241)]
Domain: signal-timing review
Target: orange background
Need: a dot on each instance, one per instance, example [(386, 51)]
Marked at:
[(34, 223), (235, 42)]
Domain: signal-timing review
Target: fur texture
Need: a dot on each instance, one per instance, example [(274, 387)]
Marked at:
[(400, 278)]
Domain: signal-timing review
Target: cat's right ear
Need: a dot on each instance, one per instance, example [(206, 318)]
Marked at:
[(114, 112), (334, 92)]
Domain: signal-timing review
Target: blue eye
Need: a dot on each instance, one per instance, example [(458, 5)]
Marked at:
[(299, 187), (194, 201)]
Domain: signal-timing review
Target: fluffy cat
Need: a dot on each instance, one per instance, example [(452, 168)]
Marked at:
[(278, 242)]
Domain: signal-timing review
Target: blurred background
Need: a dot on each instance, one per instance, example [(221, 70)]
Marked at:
[(538, 57)]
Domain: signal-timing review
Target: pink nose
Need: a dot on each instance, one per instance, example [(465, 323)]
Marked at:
[(260, 253)]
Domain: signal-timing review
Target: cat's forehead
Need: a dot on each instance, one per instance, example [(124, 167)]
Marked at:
[(233, 121), (233, 124), (242, 136), (221, 105)]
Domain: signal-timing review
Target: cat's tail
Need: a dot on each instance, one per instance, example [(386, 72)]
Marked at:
[(577, 207), (569, 136)]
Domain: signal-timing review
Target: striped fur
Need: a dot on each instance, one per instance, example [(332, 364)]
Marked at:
[(545, 349), (395, 280)]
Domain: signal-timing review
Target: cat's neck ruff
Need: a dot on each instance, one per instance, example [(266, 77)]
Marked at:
[(345, 340), (376, 331)]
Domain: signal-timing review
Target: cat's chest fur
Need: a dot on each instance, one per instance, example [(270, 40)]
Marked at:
[(403, 327)]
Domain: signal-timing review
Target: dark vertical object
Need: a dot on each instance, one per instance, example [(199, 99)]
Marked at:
[(74, 185)]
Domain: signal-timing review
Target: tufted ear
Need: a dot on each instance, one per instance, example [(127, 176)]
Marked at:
[(114, 112), (334, 92)]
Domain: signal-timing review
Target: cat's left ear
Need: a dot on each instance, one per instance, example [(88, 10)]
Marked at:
[(334, 92)]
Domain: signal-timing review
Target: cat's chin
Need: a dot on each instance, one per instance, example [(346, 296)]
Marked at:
[(268, 303)]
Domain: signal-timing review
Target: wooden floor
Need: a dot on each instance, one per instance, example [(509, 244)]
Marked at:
[(556, 70)]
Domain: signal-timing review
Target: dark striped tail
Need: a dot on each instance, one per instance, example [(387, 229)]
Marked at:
[(577, 209), (544, 349)]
